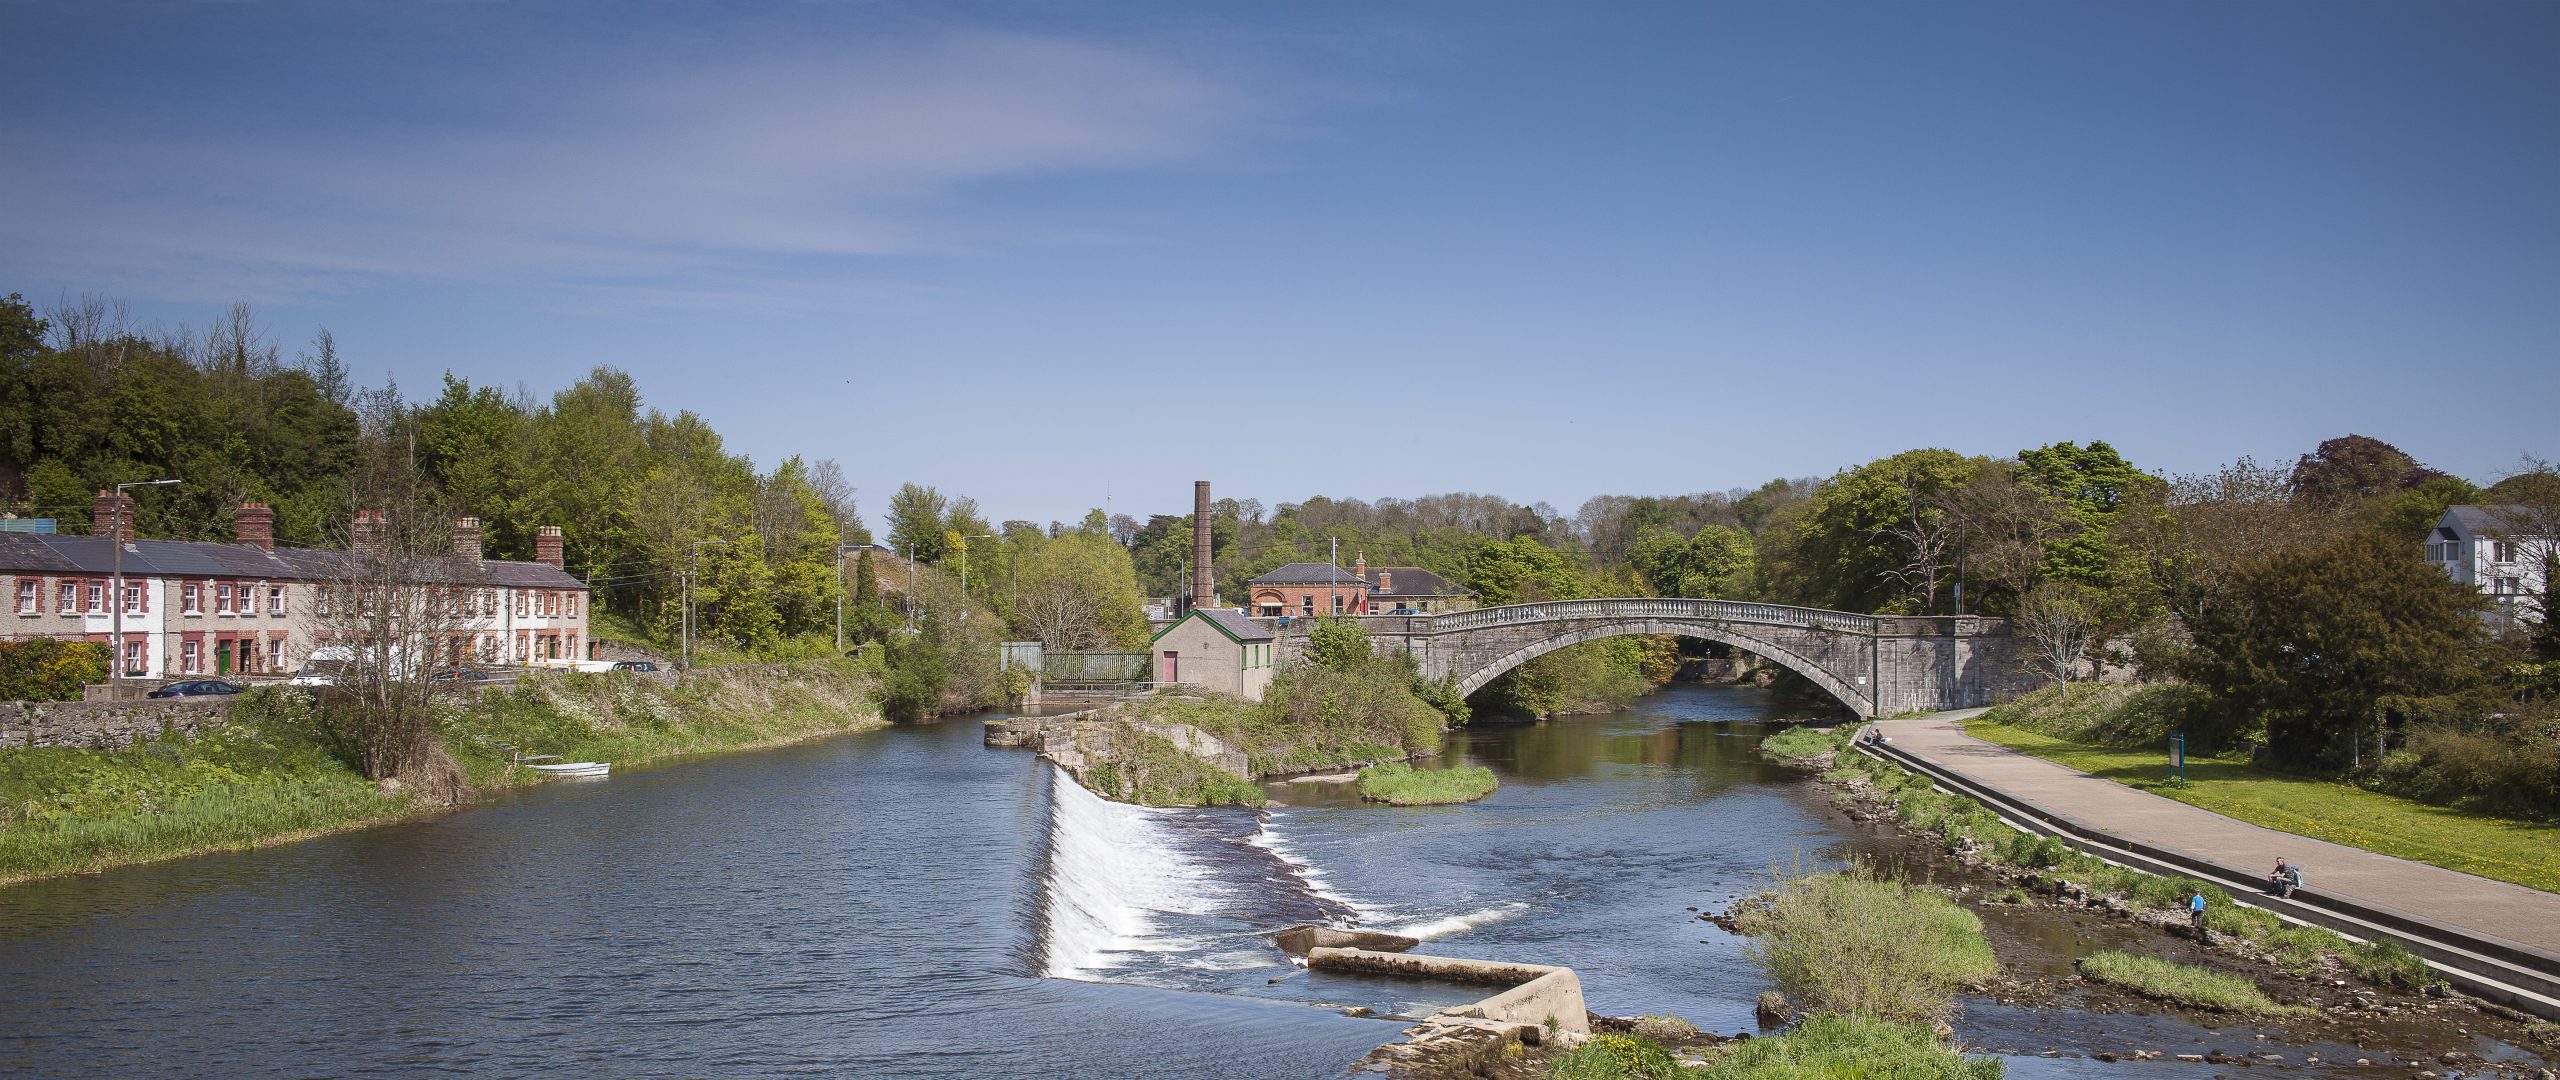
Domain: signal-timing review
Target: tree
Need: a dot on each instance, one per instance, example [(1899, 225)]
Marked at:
[(1871, 538), (2352, 468), (2324, 641), (919, 522), (1339, 643), (399, 607), (2059, 620), (2528, 522), (1080, 592), (1522, 571)]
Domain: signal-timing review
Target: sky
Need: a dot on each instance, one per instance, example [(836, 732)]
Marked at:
[(1045, 254)]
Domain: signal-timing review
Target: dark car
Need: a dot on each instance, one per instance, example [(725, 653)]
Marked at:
[(634, 665), (198, 688)]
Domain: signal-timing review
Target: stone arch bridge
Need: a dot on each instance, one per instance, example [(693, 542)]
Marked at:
[(1875, 665)]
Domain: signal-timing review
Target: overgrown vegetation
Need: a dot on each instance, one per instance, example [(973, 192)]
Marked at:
[(1856, 943), (2183, 984), (1150, 770), (1399, 784), (44, 669), (1353, 707), (1805, 744), (270, 775), (1968, 828), (1831, 1047)]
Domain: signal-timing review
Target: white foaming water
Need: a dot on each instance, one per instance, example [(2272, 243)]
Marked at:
[(1113, 869), (1433, 929), (1269, 838)]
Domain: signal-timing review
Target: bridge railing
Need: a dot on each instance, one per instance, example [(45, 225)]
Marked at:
[(1652, 608)]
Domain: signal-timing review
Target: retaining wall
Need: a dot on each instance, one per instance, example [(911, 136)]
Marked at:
[(95, 725)]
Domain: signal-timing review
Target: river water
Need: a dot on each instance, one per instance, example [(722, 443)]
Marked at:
[(907, 902)]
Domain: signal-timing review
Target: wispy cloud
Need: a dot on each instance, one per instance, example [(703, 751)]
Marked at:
[(692, 182)]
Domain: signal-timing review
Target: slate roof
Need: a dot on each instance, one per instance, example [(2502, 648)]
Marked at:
[(2478, 520), (1232, 622), (36, 553), (1414, 581), (1309, 573)]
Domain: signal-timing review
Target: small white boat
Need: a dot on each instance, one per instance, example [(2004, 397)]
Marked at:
[(575, 768)]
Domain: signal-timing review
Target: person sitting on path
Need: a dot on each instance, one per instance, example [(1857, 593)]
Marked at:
[(2278, 881), (2195, 910), (2292, 878)]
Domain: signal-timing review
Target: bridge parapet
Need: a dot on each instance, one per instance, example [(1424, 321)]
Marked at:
[(1740, 611)]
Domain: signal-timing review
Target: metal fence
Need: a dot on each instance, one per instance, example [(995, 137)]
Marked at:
[(1085, 667)]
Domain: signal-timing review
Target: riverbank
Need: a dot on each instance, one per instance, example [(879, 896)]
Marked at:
[(267, 777), (2373, 996), (2120, 733)]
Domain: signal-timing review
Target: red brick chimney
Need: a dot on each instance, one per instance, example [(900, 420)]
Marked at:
[(1360, 566), (466, 539), (103, 519), (546, 547), (1386, 582), (1204, 583), (365, 534), (256, 524)]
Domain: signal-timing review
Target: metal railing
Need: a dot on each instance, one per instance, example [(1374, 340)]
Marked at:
[(1651, 608)]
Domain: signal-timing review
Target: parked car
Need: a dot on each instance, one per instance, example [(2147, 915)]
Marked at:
[(198, 688), (1401, 609), (634, 665)]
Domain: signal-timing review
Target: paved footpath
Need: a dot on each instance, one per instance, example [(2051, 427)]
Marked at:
[(2490, 908)]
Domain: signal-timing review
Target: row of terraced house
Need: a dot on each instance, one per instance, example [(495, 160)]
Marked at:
[(250, 607)]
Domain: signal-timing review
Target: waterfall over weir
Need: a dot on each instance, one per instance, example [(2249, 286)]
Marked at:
[(1166, 897)]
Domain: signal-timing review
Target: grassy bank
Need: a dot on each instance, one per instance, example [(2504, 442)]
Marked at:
[(1148, 769), (2119, 733), (1858, 944), (1970, 830), (1315, 718), (1400, 784), (2182, 984), (266, 778), (1822, 1048)]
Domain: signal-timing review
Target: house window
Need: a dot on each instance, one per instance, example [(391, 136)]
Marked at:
[(2497, 551), (133, 664), (275, 655), (30, 597), (1337, 603), (97, 596), (191, 598), (132, 597), (222, 599), (190, 655), (275, 599), (569, 604), (69, 597), (1307, 603), (519, 613)]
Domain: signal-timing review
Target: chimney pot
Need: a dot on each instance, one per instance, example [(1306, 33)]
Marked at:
[(466, 539), (366, 533), (256, 524)]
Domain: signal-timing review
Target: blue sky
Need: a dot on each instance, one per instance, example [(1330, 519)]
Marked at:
[(1030, 251)]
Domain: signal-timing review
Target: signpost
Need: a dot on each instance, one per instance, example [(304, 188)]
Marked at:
[(2178, 756)]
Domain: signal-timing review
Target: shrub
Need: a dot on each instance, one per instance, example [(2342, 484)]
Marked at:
[(1801, 744), (1853, 942), (43, 669), (1617, 1057), (1403, 785), (1832, 1047), (2384, 962), (2514, 772), (2298, 949), (2184, 984)]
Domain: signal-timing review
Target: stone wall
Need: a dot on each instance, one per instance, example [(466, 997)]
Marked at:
[(1080, 741), (93, 725)]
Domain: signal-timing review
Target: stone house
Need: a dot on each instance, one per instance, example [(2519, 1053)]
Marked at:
[(1306, 590), (252, 608), (2479, 546), (1215, 649), (1411, 590)]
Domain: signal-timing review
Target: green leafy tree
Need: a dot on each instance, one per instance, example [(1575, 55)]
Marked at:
[(1339, 643), (2353, 468), (1871, 538), (1522, 571), (2326, 642), (919, 521), (1080, 592)]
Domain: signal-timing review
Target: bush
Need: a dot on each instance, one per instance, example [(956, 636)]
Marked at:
[(44, 669), (1834, 1047), (1617, 1057), (1403, 785), (1855, 943), (2384, 962), (2184, 984), (1801, 744), (2514, 773)]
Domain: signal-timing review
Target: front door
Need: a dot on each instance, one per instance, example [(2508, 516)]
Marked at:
[(222, 658), (1172, 668)]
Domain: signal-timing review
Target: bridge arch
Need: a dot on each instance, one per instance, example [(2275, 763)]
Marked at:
[(1845, 692)]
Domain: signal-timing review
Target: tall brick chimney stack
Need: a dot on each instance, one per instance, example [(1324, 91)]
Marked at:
[(547, 547), (366, 532), (103, 519), (1204, 584), (466, 539), (256, 524)]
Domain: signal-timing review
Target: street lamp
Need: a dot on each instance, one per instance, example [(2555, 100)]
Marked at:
[(115, 665), (693, 565), (964, 571)]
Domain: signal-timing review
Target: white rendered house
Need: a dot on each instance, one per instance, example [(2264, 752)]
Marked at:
[(2480, 547)]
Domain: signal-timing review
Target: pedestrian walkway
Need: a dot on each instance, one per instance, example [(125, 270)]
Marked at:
[(2477, 905)]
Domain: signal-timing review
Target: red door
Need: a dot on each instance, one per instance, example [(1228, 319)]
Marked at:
[(1172, 668)]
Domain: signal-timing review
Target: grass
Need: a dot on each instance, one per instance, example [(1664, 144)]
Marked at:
[(1839, 1047), (2384, 962), (1618, 1057), (2524, 853), (1403, 785), (1855, 943), (267, 778), (1803, 744), (1148, 769), (2183, 984)]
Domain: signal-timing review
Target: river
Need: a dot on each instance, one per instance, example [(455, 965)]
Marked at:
[(906, 902)]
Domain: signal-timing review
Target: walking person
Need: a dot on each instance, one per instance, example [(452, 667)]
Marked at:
[(2195, 912)]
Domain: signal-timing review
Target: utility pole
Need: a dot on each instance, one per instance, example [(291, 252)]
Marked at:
[(1333, 577), (839, 590), (123, 521), (693, 566), (911, 586)]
